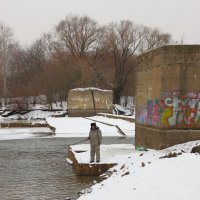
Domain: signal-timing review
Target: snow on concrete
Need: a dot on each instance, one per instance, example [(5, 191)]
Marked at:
[(80, 127), (69, 161), (120, 116), (90, 88), (109, 153), (144, 175), (21, 133)]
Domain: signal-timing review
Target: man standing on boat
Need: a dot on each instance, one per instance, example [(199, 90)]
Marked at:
[(95, 137)]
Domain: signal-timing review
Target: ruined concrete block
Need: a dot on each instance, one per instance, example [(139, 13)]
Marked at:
[(89, 101)]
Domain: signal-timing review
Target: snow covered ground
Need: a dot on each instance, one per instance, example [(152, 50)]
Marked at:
[(79, 127), (110, 153), (145, 175)]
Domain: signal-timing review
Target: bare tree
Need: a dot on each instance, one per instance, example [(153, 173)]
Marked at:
[(153, 38), (123, 40), (79, 35), (37, 55), (6, 42), (26, 64)]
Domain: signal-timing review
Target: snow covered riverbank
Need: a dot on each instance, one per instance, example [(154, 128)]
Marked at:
[(148, 175), (79, 127)]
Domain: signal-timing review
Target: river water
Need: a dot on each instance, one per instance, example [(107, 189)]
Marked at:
[(36, 169)]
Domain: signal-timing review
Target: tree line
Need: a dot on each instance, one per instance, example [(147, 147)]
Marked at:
[(78, 52)]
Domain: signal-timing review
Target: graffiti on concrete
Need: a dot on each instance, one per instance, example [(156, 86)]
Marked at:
[(172, 111), (149, 115), (182, 111), (153, 112), (142, 115)]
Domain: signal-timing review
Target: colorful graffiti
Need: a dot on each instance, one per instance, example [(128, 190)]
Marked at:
[(153, 112), (142, 115), (172, 111), (182, 111)]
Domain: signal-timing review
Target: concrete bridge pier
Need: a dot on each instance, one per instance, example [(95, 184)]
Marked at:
[(168, 96)]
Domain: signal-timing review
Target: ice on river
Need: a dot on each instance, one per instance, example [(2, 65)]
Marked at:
[(21, 133)]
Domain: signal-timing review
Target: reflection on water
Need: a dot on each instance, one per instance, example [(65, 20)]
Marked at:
[(36, 169)]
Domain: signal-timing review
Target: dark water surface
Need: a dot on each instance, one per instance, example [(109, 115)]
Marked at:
[(36, 169)]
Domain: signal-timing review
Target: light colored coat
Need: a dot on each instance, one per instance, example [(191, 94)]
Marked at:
[(95, 137)]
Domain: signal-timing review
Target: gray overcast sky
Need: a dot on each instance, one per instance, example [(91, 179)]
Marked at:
[(30, 18)]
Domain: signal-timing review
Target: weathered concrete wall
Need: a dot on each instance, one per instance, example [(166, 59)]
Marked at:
[(168, 92), (88, 102), (88, 169), (162, 138)]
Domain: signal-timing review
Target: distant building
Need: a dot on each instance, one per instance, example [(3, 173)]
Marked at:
[(84, 102), (168, 96)]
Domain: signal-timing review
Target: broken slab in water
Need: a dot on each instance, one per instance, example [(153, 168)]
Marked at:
[(79, 158)]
